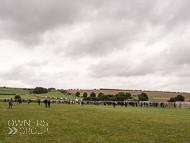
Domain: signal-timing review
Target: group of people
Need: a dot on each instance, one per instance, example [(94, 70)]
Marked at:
[(106, 103), (15, 100), (114, 103), (132, 103), (47, 102)]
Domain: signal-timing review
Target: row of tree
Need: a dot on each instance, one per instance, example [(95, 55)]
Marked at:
[(39, 90), (121, 96), (65, 92), (177, 98)]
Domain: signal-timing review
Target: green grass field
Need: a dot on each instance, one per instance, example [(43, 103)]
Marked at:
[(150, 98), (54, 93), (91, 123), (13, 90), (156, 99), (22, 96)]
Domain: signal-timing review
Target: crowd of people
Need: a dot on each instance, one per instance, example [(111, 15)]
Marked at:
[(113, 103), (106, 103), (132, 103)]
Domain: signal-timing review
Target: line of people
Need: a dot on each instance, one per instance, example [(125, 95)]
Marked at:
[(106, 103), (132, 103)]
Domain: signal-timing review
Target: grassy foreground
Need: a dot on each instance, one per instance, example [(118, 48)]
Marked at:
[(90, 123)]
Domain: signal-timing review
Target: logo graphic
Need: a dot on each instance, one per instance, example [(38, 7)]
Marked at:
[(27, 127), (14, 130)]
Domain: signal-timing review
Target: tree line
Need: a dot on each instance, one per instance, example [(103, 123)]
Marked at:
[(121, 96), (65, 92), (177, 98)]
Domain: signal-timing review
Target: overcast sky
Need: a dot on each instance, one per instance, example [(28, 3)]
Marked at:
[(125, 44)]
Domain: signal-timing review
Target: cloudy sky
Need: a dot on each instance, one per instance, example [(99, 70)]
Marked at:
[(126, 44)]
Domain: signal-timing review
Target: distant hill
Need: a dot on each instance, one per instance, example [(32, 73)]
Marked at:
[(55, 93), (156, 95), (13, 91)]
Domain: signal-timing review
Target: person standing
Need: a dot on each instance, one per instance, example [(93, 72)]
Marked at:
[(113, 104), (10, 103), (180, 105), (45, 101), (124, 104), (28, 101), (48, 103), (17, 101), (38, 101), (57, 102)]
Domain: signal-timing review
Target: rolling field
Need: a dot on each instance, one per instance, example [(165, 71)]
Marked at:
[(154, 96), (91, 123), (22, 96), (23, 93), (13, 90), (53, 93), (59, 95)]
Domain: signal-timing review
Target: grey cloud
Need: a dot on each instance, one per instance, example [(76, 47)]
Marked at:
[(178, 54), (117, 25), (25, 21), (37, 63), (122, 68), (23, 76), (114, 24), (108, 29), (174, 62), (18, 72), (101, 40)]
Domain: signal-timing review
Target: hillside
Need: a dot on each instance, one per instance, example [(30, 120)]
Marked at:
[(4, 93), (55, 93), (13, 90), (153, 95), (25, 94)]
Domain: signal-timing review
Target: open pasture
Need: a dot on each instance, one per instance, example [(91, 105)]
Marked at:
[(91, 123), (13, 90), (153, 96), (55, 93), (25, 94), (22, 96)]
